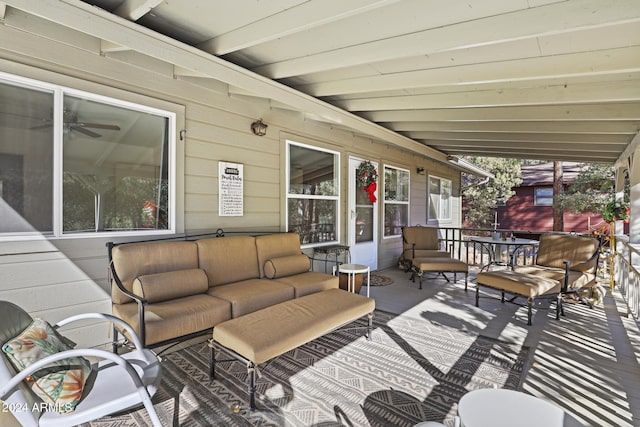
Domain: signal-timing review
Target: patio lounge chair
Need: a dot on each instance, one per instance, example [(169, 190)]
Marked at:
[(422, 254), (110, 385), (565, 264)]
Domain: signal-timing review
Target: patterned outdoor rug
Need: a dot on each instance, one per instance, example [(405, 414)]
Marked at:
[(378, 280), (412, 370)]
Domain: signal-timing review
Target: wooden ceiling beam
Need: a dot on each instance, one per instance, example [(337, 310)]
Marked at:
[(594, 93), (133, 10), (538, 137), (304, 16), (577, 127), (598, 65), (561, 113), (527, 23)]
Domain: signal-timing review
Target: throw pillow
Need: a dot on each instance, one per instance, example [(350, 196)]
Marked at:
[(171, 285), (286, 266), (59, 384)]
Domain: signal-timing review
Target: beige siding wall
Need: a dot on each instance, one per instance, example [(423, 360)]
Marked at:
[(54, 278)]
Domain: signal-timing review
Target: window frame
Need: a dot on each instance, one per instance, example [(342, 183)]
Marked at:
[(450, 200), (535, 195), (59, 92), (288, 195), (394, 202)]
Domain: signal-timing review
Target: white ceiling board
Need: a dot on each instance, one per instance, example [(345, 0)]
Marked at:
[(543, 79)]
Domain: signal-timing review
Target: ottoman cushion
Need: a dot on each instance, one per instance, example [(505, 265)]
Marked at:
[(270, 332), (517, 283), (440, 264)]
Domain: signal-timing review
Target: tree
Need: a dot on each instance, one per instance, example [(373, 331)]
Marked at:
[(480, 194), (592, 190), (558, 191)]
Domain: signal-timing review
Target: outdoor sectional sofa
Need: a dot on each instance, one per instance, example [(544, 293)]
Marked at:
[(257, 294), (171, 290)]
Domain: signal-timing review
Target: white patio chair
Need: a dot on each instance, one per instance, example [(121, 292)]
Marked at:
[(119, 382)]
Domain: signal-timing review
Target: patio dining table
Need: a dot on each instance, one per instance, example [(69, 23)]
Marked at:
[(493, 246)]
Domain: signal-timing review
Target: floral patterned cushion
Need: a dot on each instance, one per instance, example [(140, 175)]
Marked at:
[(59, 384)]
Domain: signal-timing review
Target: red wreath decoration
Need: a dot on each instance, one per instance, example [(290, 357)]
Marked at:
[(367, 176)]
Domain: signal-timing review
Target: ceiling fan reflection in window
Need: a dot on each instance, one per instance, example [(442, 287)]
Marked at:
[(71, 123)]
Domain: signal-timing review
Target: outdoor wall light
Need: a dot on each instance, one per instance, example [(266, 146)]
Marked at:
[(259, 128), (420, 171)]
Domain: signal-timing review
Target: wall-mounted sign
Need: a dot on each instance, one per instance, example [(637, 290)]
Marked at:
[(231, 190)]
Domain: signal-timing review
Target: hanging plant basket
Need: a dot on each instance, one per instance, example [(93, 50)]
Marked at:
[(367, 176), (616, 210)]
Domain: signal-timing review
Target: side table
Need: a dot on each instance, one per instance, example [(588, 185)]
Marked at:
[(351, 270), (506, 408), (335, 250)]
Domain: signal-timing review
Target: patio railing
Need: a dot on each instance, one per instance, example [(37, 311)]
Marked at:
[(625, 273), (457, 241)]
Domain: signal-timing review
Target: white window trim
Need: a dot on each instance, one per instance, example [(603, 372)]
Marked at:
[(58, 92), (395, 202), (429, 219), (535, 195), (288, 194)]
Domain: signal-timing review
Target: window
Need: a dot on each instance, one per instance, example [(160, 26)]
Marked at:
[(439, 198), (74, 163), (312, 193), (396, 200), (543, 196)]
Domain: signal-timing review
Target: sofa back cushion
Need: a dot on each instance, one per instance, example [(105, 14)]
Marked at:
[(171, 285), (270, 246), (133, 260), (228, 259), (421, 237), (286, 266), (578, 250)]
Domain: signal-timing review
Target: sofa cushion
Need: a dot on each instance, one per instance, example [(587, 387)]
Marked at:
[(286, 266), (171, 285), (170, 319), (61, 383), (310, 282), (270, 246), (250, 295), (228, 259), (138, 259)]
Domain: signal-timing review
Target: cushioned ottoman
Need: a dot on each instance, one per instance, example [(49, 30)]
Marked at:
[(264, 334), (441, 265), (520, 284)]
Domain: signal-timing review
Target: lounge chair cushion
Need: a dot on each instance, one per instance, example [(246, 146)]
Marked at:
[(554, 249), (171, 285)]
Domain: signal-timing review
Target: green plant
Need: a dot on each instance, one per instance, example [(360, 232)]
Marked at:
[(616, 210)]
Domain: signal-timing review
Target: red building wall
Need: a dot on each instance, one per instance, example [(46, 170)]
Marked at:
[(520, 213)]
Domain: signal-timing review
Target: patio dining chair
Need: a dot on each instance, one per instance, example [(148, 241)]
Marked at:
[(36, 356)]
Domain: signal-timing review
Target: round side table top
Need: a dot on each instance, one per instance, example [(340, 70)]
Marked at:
[(499, 407), (353, 268)]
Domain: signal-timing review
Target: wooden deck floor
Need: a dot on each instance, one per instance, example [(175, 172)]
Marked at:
[(587, 362)]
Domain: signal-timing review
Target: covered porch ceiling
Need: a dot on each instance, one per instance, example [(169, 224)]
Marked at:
[(535, 79)]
